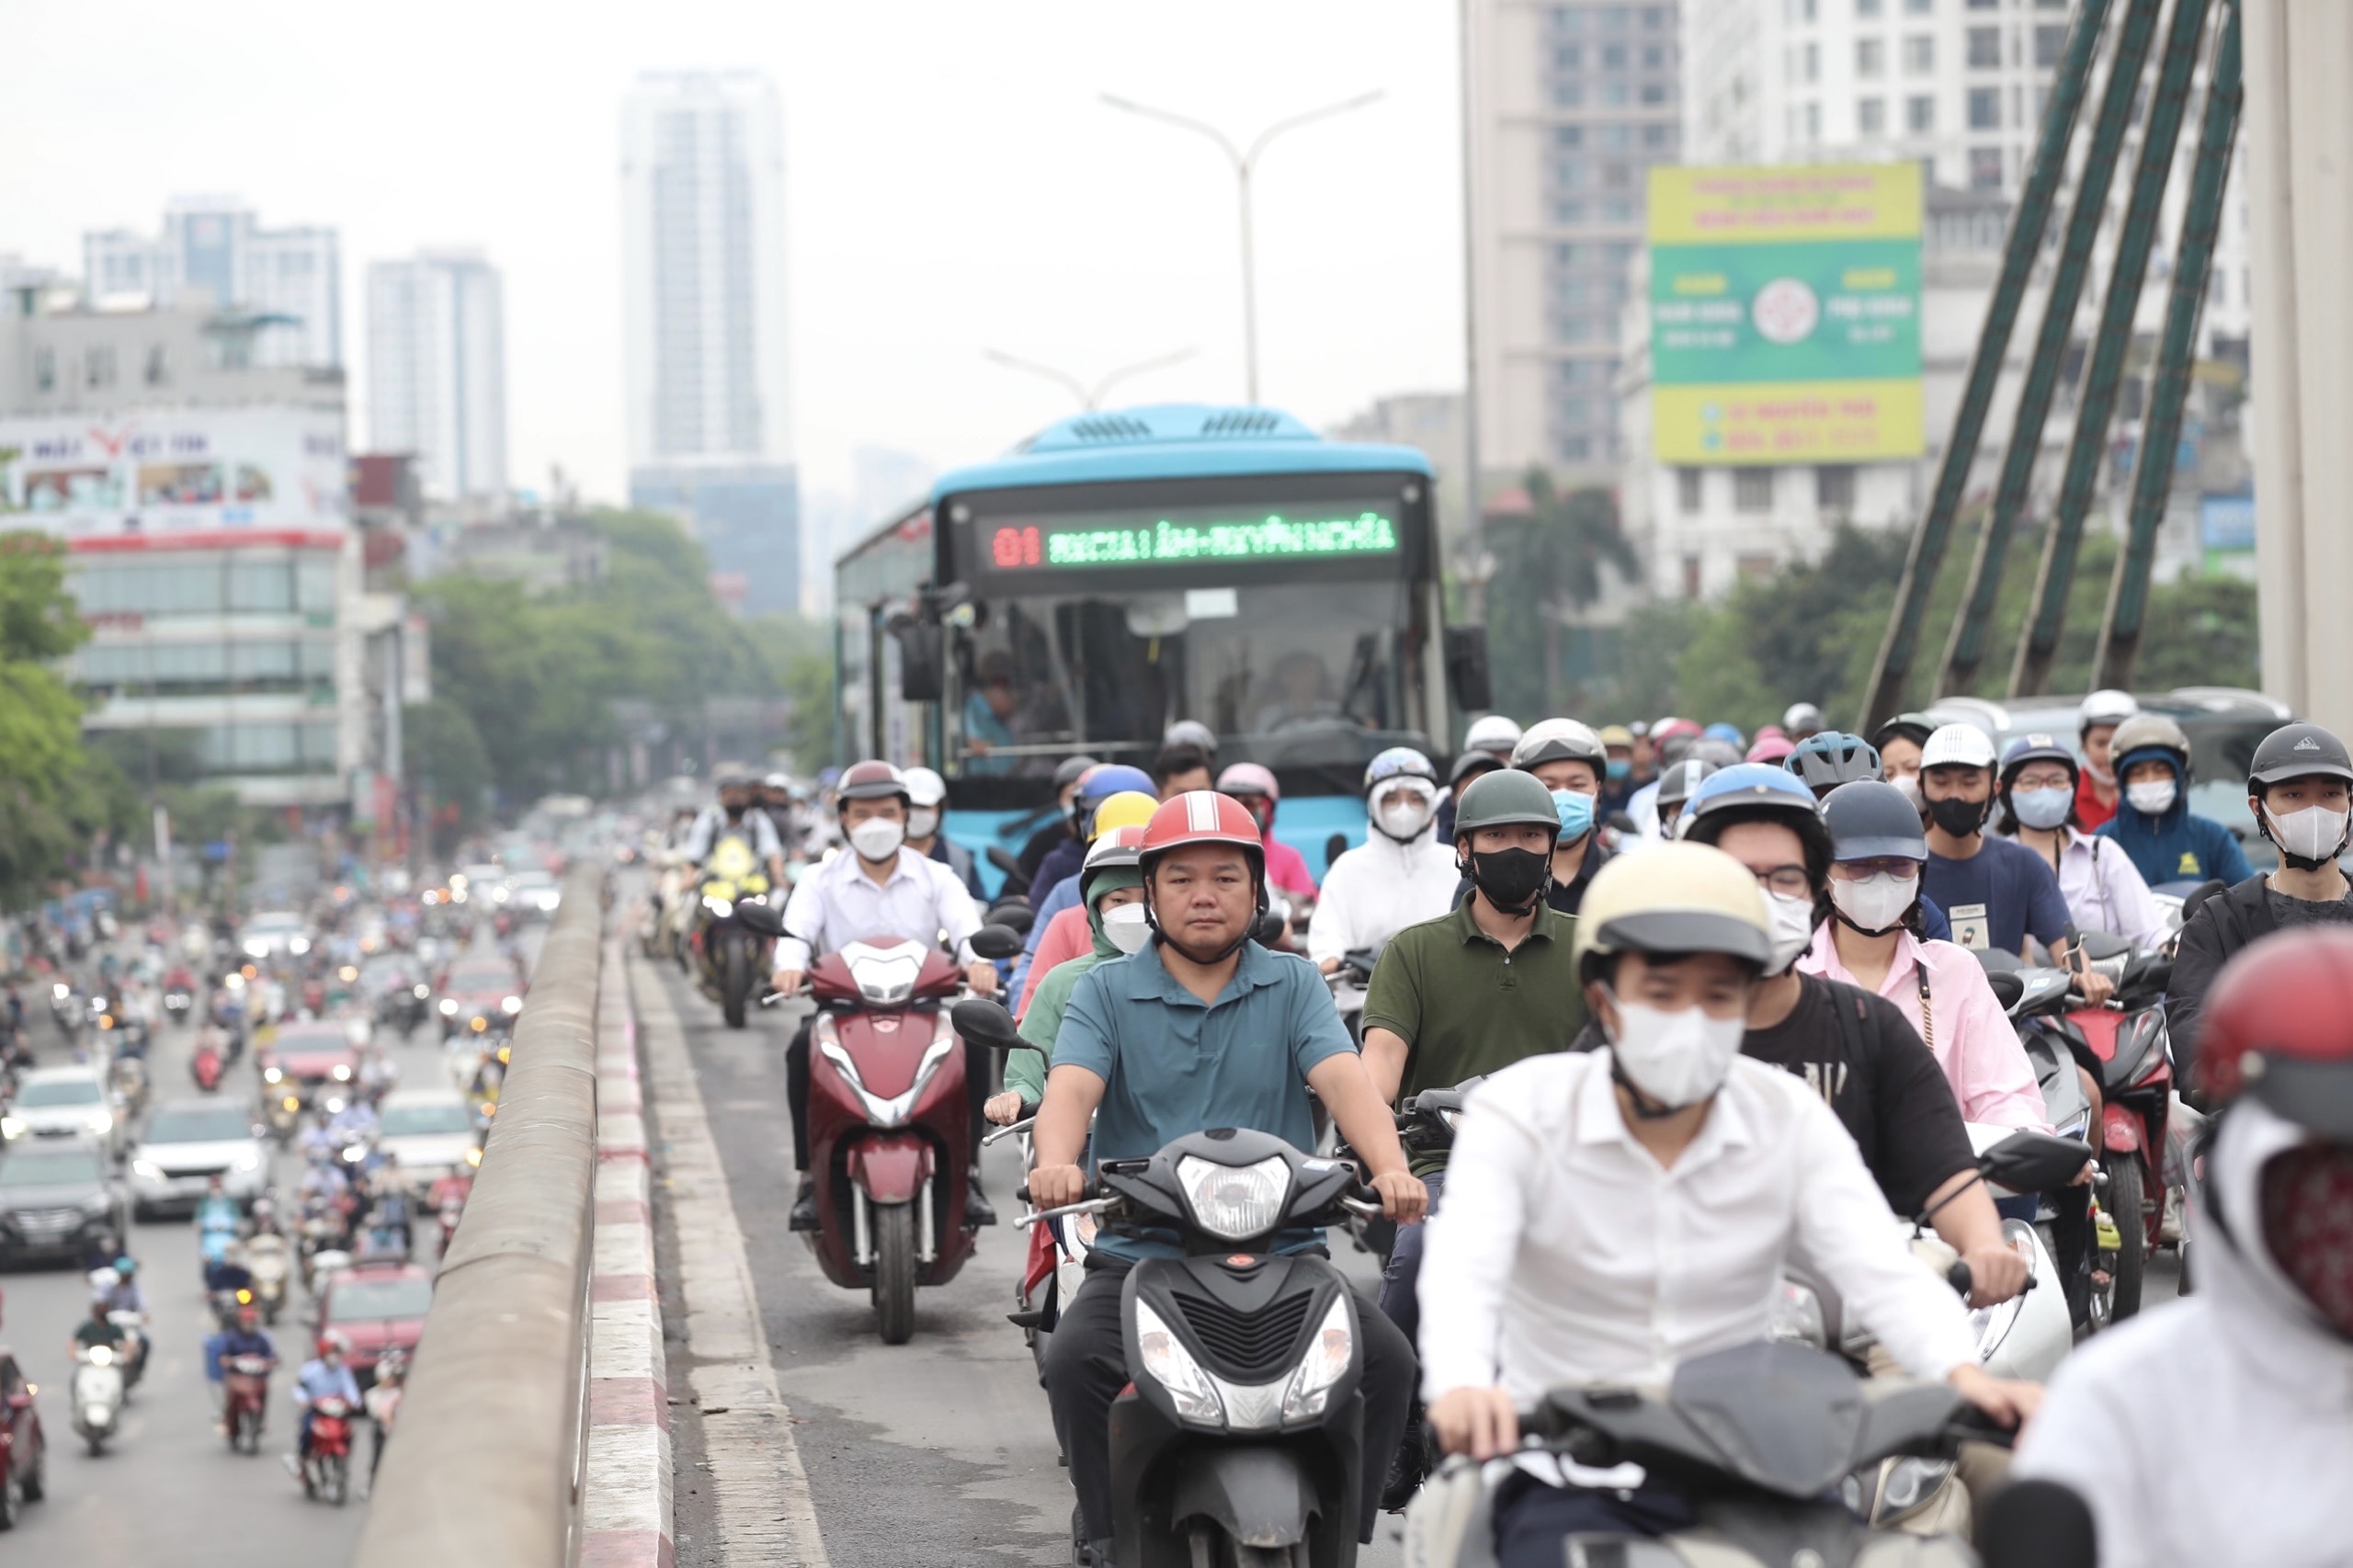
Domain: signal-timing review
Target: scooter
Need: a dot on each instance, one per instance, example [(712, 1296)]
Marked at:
[(730, 954), (1348, 983), (266, 1260), (135, 1345), (97, 1395), (326, 1472), (206, 1067), (245, 1401), (1757, 1438), (1241, 1438), (890, 1133)]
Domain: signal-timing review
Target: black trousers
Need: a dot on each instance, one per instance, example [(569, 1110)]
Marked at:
[(980, 1063), (1532, 1520), (1401, 1279), (1086, 1366)]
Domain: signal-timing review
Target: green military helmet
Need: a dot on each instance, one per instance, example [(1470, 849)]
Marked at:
[(1506, 799)]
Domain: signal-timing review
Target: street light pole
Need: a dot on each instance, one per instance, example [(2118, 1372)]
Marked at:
[(1088, 399), (1244, 162)]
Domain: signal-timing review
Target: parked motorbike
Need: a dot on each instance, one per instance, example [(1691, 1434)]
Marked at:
[(1758, 1439), (97, 1395), (730, 954), (888, 1129), (327, 1472), (1241, 1438), (245, 1401)]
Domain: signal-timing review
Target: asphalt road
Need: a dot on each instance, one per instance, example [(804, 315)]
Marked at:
[(168, 1490)]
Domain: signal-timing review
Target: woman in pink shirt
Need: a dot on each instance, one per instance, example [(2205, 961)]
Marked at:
[(1873, 941)]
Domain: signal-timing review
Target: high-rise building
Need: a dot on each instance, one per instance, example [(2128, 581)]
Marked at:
[(437, 369), (291, 279), (710, 416), (1569, 105)]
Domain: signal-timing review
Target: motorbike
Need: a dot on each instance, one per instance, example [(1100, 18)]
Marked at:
[(1757, 1438), (1348, 983), (1240, 1440), (889, 1129), (178, 1004), (266, 1260), (97, 1395), (245, 1401), (206, 1067), (283, 1113), (326, 1472), (66, 1011), (135, 1345), (730, 954)]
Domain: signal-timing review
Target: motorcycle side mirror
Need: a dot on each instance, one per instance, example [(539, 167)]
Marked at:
[(1621, 821), (988, 1023), (2008, 986), (997, 941), (1014, 914), (760, 916), (1272, 927), (2031, 1162)]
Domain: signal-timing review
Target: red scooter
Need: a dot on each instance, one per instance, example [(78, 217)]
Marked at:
[(327, 1472), (889, 1130), (207, 1066), (245, 1401)]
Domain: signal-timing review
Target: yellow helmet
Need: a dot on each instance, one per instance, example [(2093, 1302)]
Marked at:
[(1672, 898), (1129, 808)]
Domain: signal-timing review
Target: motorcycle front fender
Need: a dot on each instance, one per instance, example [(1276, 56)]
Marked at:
[(2120, 1130), (1257, 1493), (890, 1168)]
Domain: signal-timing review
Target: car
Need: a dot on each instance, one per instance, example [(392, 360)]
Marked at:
[(430, 1131), (62, 1102), (480, 997), (481, 883), (535, 894), (315, 1059), (377, 1306), (185, 1145), (273, 932), (56, 1199), (24, 1447)]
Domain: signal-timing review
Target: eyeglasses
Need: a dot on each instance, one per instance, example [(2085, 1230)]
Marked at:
[(1790, 881), (1895, 865), (2044, 781)]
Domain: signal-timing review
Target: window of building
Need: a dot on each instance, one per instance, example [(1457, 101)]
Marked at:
[(1616, 135), (1982, 4), (1569, 57), (1615, 95), (1569, 136), (1691, 576), (98, 365), (1614, 18), (1809, 63), (1920, 54), (1653, 93), (1984, 108), (159, 365), (1984, 168), (2049, 43), (1919, 8), (1616, 176), (1568, 94), (1568, 212), (1834, 487), (1752, 490), (1569, 176), (1576, 448), (1655, 17), (1871, 57), (1867, 7), (1653, 57), (1920, 114), (1619, 211), (44, 368), (1755, 565), (1688, 489), (1870, 116), (1985, 49), (1657, 135), (1568, 18), (1613, 57)]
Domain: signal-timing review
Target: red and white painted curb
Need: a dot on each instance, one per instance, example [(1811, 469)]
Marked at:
[(625, 1506)]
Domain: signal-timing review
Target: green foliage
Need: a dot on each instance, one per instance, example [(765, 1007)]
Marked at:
[(37, 619), (447, 764), (53, 794), (801, 653), (1548, 565)]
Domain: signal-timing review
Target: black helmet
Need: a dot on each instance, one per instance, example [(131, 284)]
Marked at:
[(1870, 821), (1825, 761), (1067, 773), (2298, 751), (1473, 762), (1506, 798), (1675, 785), (1913, 727)]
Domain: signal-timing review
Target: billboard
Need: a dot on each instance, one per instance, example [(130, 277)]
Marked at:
[(1785, 314), (174, 472)]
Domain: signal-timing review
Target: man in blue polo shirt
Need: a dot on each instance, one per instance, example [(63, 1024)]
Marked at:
[(1201, 1028)]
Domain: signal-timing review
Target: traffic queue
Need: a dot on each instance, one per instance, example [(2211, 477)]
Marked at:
[(1769, 1141)]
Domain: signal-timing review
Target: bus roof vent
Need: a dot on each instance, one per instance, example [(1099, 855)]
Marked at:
[(1241, 422), (1094, 429), (1163, 424)]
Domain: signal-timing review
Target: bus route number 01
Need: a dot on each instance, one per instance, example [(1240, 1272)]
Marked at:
[(1014, 547)]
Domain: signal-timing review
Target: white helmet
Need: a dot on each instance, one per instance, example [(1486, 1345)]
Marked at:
[(1494, 733), (2109, 707), (924, 788), (1957, 746), (1559, 740)]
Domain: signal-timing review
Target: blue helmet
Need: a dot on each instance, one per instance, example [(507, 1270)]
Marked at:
[(1749, 787), (1720, 731), (1099, 784), (1397, 762)]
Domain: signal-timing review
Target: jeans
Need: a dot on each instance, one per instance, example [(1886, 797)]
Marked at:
[(1401, 1279), (1086, 1366), (1532, 1518), (980, 1064)]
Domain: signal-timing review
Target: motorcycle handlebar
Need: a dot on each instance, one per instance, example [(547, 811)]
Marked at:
[(1010, 1130)]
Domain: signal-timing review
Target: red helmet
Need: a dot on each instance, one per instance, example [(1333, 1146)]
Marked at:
[(2273, 1028), (1201, 816), (872, 780)]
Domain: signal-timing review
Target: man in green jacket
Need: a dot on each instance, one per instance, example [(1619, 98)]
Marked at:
[(1110, 881)]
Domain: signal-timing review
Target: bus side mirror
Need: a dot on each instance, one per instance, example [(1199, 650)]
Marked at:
[(1466, 667), (923, 663)]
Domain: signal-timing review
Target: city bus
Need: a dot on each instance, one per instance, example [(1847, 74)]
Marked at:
[(1123, 571)]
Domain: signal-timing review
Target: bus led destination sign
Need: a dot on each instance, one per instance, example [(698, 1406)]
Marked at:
[(1165, 542)]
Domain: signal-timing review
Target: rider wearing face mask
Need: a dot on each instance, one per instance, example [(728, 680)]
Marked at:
[(876, 887), (2202, 1436), (1617, 780), (732, 816), (2167, 841), (1115, 920), (927, 791), (1899, 742), (1614, 1213), (2297, 787), (2038, 802), (1570, 762), (1399, 875), (1066, 927)]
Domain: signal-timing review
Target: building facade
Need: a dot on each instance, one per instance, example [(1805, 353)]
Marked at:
[(1569, 105), (705, 328), (437, 369), (291, 279)]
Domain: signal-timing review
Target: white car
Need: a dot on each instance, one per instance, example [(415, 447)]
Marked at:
[(273, 932), (63, 1102), (534, 894), (186, 1144), (430, 1131)]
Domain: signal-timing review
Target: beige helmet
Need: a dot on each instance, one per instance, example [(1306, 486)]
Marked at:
[(1672, 898)]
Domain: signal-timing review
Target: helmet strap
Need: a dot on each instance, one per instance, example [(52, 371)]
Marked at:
[(1842, 918)]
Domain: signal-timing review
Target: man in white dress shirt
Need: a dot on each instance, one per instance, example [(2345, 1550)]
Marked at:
[(1613, 1213), (878, 887)]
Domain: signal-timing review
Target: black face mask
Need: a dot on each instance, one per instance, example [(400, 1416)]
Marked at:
[(1510, 879), (1958, 817), (734, 814)]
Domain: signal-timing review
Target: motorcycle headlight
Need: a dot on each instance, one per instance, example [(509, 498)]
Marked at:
[(448, 1006), (249, 1161), (1991, 1326), (257, 949), (12, 1126), (473, 1156), (342, 1072), (1326, 1360), (1452, 1120), (420, 992), (1173, 1368), (1910, 1482), (299, 946), (335, 1104), (1234, 1202), (100, 1122), (147, 1168), (720, 908), (273, 1075), (510, 1005), (291, 1103), (101, 1356)]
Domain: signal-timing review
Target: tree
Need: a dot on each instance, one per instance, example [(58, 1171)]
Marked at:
[(1548, 565), (449, 767), (53, 794)]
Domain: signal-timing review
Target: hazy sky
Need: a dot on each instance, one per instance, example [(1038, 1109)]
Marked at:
[(954, 185)]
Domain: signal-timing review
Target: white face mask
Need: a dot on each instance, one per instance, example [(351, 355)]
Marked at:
[(2313, 833), (1676, 1059), (1908, 785), (1792, 929), (2154, 798), (2043, 809), (1877, 903), (923, 821), (1404, 820), (1127, 927), (878, 838)]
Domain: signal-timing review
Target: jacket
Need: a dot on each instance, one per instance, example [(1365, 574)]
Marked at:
[(2179, 846), (1378, 889), (1042, 1017), (2222, 925), (2201, 1434)]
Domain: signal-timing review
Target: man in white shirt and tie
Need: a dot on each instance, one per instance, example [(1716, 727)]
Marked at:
[(878, 887), (1610, 1214)]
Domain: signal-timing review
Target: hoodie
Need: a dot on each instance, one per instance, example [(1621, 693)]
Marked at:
[(1378, 889), (1025, 1071), (2179, 846), (2202, 1433)]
